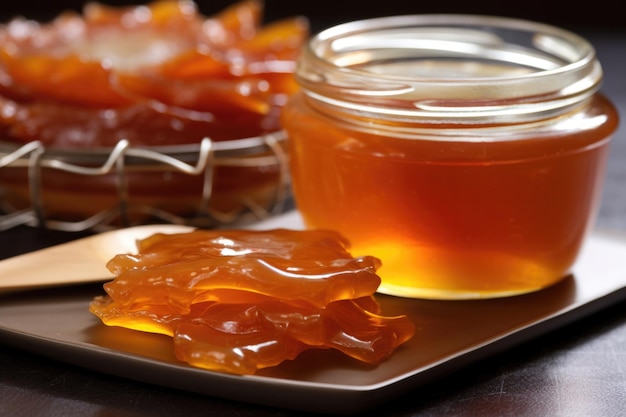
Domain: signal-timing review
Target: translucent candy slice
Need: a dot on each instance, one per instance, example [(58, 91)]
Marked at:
[(238, 301), (242, 338), (179, 270)]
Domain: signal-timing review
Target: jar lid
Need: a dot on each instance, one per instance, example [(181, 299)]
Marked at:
[(459, 67)]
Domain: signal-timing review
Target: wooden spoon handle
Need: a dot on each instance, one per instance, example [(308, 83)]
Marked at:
[(80, 261)]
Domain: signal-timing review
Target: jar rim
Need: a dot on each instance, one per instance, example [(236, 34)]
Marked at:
[(450, 65)]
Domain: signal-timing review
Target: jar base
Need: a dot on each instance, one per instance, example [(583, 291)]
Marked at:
[(460, 294)]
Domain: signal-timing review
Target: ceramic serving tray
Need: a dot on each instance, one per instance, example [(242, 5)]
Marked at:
[(55, 322)]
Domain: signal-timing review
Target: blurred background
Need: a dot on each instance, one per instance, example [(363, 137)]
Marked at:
[(599, 14)]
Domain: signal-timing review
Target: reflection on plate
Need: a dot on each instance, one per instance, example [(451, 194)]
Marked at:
[(450, 334)]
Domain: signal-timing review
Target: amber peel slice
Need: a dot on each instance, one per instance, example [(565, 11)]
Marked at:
[(238, 301), (179, 270), (242, 338)]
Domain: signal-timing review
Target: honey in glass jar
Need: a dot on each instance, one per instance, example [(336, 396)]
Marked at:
[(466, 152)]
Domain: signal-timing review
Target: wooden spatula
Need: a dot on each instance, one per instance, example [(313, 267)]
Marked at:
[(80, 261)]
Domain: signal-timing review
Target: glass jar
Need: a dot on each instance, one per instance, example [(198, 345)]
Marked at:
[(466, 152)]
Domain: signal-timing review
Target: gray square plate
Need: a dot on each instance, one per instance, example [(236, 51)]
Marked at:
[(450, 334)]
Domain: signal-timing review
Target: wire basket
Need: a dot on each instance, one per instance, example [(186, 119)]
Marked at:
[(204, 185)]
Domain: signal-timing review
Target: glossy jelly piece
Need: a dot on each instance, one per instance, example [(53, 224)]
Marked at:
[(178, 270), (242, 338), (238, 301)]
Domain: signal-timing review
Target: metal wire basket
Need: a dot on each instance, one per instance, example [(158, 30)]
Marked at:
[(203, 185)]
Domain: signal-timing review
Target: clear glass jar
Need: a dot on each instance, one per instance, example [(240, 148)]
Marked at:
[(466, 152)]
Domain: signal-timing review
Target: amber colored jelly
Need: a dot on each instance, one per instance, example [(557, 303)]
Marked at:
[(465, 152), (453, 219)]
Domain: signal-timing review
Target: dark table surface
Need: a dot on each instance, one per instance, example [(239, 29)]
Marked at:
[(578, 370)]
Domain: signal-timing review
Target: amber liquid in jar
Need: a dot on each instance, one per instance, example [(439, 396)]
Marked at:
[(454, 219), (454, 210)]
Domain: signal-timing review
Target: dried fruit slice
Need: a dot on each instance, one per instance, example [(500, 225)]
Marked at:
[(238, 301), (242, 338), (224, 77), (178, 270)]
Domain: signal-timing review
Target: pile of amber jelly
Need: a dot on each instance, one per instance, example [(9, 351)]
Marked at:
[(239, 301), (159, 74)]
